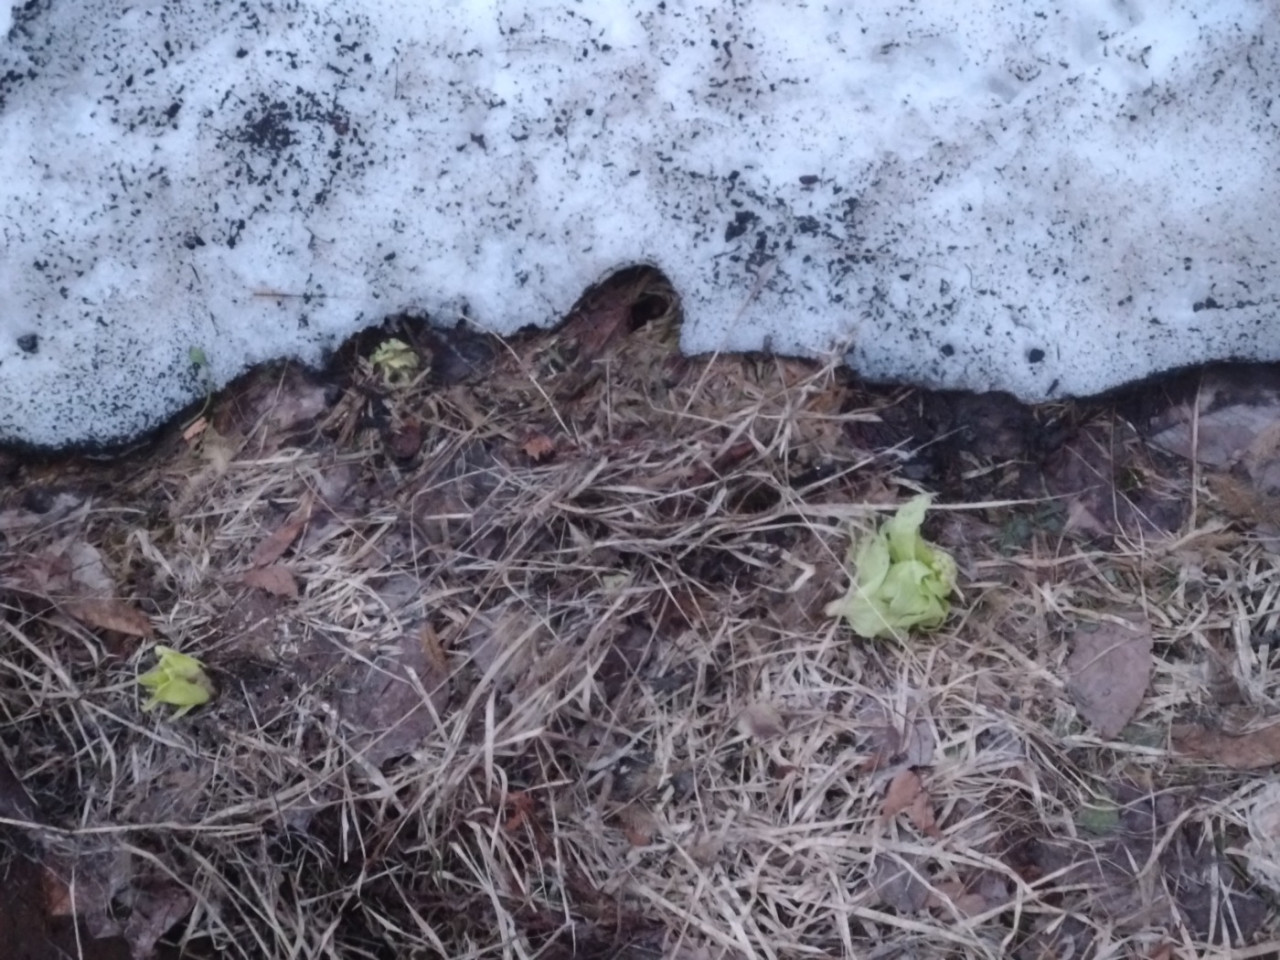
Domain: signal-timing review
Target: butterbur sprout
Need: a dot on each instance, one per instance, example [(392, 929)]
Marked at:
[(178, 680), (900, 582)]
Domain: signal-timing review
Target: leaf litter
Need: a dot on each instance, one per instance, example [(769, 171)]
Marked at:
[(586, 704), (1108, 672)]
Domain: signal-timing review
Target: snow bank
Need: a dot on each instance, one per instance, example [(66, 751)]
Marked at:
[(1049, 200)]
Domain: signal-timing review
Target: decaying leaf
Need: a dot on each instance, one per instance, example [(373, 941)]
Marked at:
[(638, 824), (1110, 483), (907, 794), (895, 737), (277, 579), (538, 447), (156, 907), (1242, 501), (57, 507), (623, 660), (503, 644), (272, 402), (973, 896), (1247, 751), (1108, 672), (194, 429), (386, 700), (274, 546), (761, 721), (107, 613), (404, 442), (898, 883)]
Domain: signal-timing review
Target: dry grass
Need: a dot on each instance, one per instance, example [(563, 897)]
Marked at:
[(629, 731)]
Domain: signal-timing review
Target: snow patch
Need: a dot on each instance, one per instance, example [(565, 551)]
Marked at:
[(1045, 200)]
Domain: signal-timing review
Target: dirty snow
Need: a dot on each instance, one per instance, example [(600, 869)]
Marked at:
[(1041, 198)]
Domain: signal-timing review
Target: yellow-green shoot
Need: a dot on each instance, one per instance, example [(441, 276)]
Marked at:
[(900, 582), (178, 680)]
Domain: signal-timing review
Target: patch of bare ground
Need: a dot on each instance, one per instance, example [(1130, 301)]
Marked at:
[(524, 656)]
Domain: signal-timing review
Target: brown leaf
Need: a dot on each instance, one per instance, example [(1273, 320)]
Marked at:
[(521, 803), (950, 896), (156, 907), (192, 433), (902, 792), (892, 739), (271, 400), (623, 660), (898, 883), (907, 794), (57, 895), (404, 443), (1112, 484), (273, 547), (761, 721), (601, 320), (1108, 672), (384, 703), (88, 570), (277, 579), (1241, 501), (538, 447), (1248, 751), (106, 613), (504, 643), (437, 660), (638, 824)]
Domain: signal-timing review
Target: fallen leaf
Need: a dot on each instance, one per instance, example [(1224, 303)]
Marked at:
[(270, 401), (57, 895), (538, 447), (602, 317), (638, 824), (762, 721), (405, 442), (907, 794), (277, 579), (1241, 501), (623, 660), (503, 644), (193, 431), (273, 547), (156, 907), (106, 613), (1111, 483), (88, 570), (920, 813), (1108, 672), (521, 804), (56, 507), (893, 739), (437, 660), (1246, 751), (383, 700), (99, 877), (897, 883), (950, 896)]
